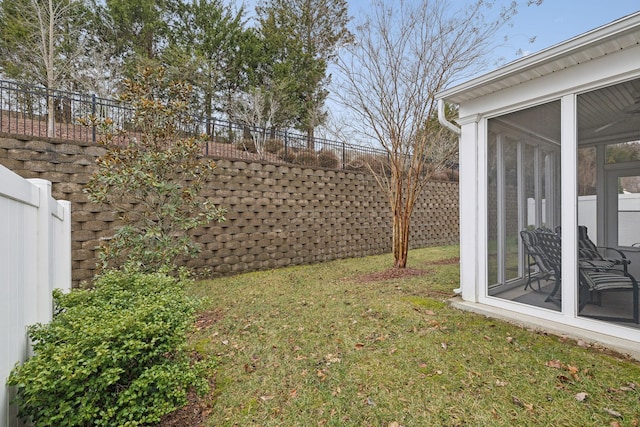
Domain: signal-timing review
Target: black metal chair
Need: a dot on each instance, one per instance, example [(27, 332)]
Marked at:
[(590, 252), (535, 258), (599, 254), (594, 278)]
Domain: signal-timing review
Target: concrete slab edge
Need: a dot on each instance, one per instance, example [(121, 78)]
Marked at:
[(625, 347)]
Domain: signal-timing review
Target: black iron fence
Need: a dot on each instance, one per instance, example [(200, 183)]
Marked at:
[(25, 110)]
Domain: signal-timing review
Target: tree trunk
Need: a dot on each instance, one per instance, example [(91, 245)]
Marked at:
[(401, 219), (51, 107), (401, 223), (51, 114), (310, 138)]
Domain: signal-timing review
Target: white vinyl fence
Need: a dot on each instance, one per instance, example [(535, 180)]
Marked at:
[(35, 258)]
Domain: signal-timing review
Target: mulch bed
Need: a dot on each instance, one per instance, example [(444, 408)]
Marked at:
[(197, 409), (400, 273), (391, 273), (195, 412)]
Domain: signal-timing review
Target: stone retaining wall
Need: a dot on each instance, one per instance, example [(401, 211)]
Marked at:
[(277, 215)]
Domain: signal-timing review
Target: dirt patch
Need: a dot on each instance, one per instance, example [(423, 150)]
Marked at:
[(197, 409), (208, 318), (391, 273), (193, 414), (447, 261)]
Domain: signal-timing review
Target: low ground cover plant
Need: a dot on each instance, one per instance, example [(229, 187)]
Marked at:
[(352, 343), (114, 355)]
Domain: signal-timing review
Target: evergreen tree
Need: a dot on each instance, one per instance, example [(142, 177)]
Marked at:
[(300, 38)]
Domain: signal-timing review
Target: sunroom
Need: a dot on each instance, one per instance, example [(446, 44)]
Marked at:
[(550, 184)]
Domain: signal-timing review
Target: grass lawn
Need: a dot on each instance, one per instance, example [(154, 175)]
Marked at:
[(335, 344)]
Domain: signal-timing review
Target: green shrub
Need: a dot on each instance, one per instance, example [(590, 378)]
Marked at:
[(327, 159), (305, 158), (274, 146), (246, 144), (154, 182), (114, 355)]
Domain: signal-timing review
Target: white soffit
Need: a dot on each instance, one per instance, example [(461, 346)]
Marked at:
[(613, 37)]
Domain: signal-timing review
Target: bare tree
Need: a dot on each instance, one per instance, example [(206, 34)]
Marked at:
[(405, 52), (256, 109), (41, 42)]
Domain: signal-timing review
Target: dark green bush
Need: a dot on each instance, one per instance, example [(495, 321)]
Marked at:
[(114, 355), (305, 158), (274, 146), (327, 159)]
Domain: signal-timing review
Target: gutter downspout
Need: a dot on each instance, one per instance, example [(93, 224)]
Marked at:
[(443, 119), (453, 128)]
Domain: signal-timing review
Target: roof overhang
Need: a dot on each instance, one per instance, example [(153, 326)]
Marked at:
[(613, 37)]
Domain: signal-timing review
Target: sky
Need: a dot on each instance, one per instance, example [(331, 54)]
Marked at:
[(552, 22), (555, 21)]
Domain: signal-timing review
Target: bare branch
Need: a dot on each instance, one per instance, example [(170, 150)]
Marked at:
[(404, 53)]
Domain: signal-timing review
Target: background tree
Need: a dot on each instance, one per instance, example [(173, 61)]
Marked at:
[(207, 48), (135, 31), (257, 110), (301, 37), (153, 182), (40, 42), (404, 54)]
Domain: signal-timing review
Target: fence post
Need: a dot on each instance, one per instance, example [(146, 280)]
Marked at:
[(286, 146), (212, 133), (43, 306), (93, 114), (344, 155), (63, 269)]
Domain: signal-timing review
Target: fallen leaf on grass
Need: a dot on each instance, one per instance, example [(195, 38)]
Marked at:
[(580, 397), (266, 398), (330, 359), (393, 424), (613, 413), (359, 346), (518, 402), (443, 345), (554, 364)]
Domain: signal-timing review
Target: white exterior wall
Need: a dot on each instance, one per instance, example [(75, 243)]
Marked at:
[(562, 85), (35, 258)]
